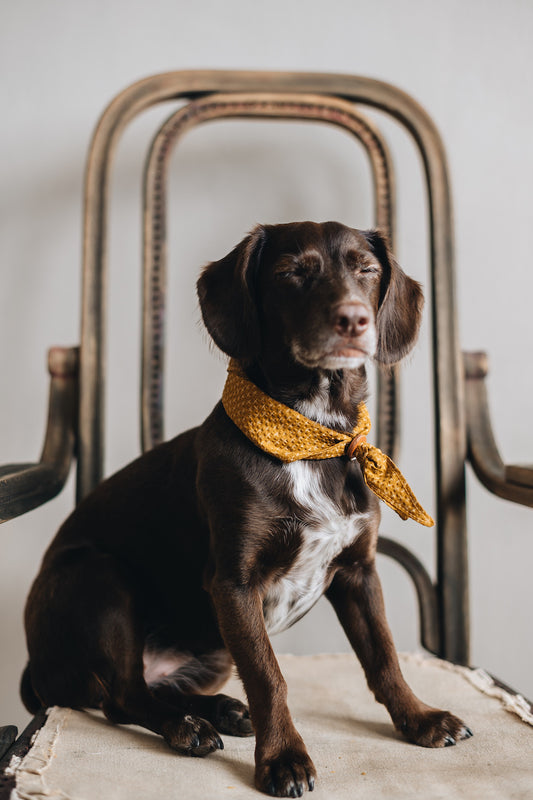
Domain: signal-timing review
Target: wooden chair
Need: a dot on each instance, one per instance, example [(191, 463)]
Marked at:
[(462, 424)]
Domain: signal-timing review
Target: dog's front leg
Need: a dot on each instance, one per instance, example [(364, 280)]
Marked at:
[(283, 767), (356, 596)]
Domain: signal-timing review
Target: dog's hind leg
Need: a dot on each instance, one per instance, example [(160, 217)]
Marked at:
[(128, 699), (191, 686), (89, 653), (181, 727)]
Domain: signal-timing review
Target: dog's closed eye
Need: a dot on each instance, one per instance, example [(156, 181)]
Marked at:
[(319, 272)]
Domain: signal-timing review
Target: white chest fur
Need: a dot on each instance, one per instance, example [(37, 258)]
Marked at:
[(330, 531)]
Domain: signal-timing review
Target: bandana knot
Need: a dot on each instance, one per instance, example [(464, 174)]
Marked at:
[(289, 436)]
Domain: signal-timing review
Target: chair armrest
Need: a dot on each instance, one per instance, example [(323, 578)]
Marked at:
[(26, 486), (8, 734), (512, 482)]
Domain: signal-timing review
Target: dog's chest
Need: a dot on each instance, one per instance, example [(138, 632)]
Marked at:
[(327, 532)]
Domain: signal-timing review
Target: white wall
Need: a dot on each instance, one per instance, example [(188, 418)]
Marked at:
[(467, 61)]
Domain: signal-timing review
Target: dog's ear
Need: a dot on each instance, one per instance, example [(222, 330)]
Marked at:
[(400, 305), (226, 295)]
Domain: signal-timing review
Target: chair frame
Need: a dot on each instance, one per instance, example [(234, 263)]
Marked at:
[(76, 425)]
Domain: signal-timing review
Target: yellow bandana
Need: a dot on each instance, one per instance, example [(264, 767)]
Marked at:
[(289, 436)]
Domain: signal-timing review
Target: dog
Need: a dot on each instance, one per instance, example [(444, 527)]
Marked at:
[(182, 564)]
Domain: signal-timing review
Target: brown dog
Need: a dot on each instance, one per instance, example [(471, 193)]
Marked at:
[(183, 562)]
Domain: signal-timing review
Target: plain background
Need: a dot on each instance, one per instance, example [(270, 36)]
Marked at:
[(468, 62)]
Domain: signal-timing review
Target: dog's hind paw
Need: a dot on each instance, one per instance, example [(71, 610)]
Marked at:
[(192, 736), (434, 728), (232, 717)]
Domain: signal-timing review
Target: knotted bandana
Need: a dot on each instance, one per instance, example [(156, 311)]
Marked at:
[(289, 436)]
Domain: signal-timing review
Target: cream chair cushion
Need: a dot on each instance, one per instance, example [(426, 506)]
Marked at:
[(350, 737)]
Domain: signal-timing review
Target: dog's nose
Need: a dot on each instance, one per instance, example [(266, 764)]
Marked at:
[(351, 319)]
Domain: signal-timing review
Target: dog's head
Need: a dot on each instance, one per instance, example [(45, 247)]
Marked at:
[(325, 295)]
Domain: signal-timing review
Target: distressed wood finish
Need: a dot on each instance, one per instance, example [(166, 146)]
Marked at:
[(27, 486), (512, 482)]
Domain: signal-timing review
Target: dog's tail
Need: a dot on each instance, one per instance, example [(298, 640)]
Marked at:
[(27, 692)]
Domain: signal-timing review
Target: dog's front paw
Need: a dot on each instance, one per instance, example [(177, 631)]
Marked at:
[(287, 775), (192, 736), (232, 717), (433, 728)]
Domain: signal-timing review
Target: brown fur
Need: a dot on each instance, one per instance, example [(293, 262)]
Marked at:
[(178, 553)]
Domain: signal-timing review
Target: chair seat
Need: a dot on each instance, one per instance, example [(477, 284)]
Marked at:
[(356, 751)]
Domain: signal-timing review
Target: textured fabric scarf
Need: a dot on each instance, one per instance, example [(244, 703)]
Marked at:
[(289, 436)]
